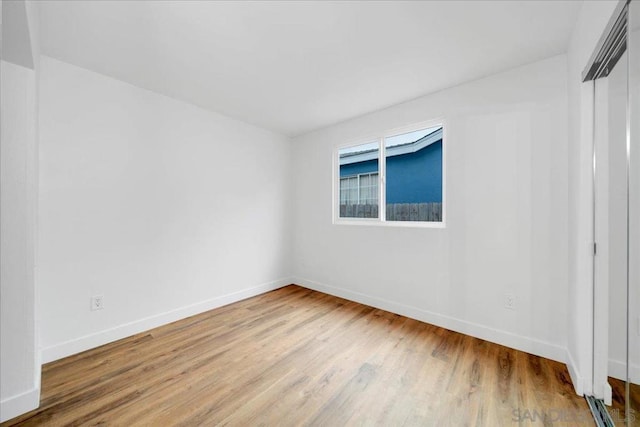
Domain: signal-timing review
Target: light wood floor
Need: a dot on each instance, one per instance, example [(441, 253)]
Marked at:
[(617, 408), (300, 357)]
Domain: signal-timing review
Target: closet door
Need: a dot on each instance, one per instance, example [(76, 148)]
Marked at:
[(632, 393), (611, 237), (614, 69)]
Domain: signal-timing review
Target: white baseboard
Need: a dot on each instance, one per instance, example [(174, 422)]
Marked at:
[(608, 394), (618, 369), (576, 378), (19, 404), (87, 342), (508, 339)]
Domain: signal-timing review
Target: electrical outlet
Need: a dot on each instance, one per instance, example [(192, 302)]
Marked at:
[(97, 303), (510, 301)]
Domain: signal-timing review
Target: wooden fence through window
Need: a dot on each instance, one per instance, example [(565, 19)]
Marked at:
[(396, 211)]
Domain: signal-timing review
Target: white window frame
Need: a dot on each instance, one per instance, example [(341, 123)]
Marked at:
[(382, 202)]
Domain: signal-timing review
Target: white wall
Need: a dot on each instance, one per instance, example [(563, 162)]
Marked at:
[(590, 24), (17, 348), (507, 219), (163, 208), (19, 358)]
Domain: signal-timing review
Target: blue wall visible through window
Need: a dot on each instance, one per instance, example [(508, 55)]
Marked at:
[(416, 177), (358, 168), (411, 178)]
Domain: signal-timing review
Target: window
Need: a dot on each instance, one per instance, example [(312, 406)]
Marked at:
[(403, 170), (359, 179), (361, 189)]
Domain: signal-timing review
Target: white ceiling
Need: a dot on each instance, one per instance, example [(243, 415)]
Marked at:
[(297, 66)]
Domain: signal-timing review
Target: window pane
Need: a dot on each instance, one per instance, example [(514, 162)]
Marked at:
[(414, 175), (369, 189), (348, 189), (359, 181)]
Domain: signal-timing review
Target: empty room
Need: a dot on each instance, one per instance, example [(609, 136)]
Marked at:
[(323, 213)]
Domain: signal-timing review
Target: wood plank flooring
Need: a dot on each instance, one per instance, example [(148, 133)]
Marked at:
[(617, 408), (299, 357)]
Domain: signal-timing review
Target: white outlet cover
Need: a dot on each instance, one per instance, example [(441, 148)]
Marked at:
[(97, 302), (510, 301)]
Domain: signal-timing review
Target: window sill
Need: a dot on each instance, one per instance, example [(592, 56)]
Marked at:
[(397, 224)]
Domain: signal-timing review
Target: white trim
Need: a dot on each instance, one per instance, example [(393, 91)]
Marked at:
[(445, 144), (582, 324), (601, 275), (618, 369), (16, 405), (576, 378), (97, 339), (377, 223), (508, 339), (608, 394), (382, 183)]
